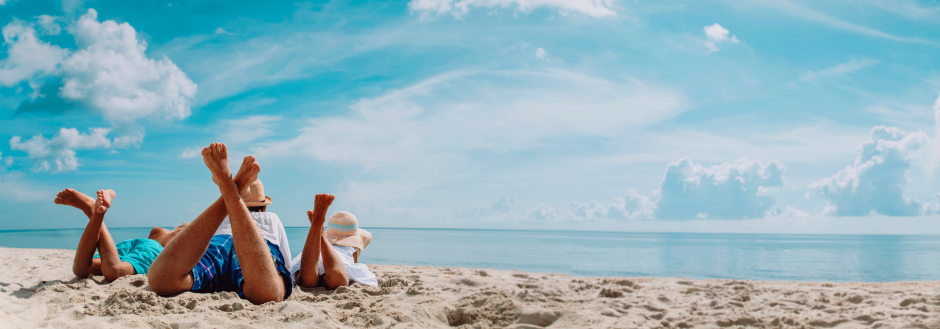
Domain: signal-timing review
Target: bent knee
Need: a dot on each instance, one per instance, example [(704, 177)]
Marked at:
[(265, 296), (81, 273), (164, 286), (336, 282), (111, 276)]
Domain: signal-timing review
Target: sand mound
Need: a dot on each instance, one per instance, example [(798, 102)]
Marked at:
[(40, 291)]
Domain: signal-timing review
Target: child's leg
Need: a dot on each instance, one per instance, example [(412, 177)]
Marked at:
[(83, 265), (316, 247), (111, 265), (334, 275)]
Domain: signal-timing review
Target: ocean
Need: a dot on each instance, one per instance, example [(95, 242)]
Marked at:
[(775, 257)]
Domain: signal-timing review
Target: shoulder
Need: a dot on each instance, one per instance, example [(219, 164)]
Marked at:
[(266, 216)]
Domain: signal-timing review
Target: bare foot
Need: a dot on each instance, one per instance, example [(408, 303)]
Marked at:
[(321, 204), (216, 158), (246, 175), (104, 200), (70, 197)]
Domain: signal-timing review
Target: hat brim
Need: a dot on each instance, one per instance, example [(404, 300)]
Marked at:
[(354, 240), (267, 201)]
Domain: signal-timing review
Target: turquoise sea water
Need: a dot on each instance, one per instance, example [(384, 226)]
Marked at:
[(737, 256)]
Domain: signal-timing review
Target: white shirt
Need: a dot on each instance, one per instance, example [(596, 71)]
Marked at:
[(271, 229), (356, 271)]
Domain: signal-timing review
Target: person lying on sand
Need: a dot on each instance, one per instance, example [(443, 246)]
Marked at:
[(113, 260), (198, 260), (331, 259)]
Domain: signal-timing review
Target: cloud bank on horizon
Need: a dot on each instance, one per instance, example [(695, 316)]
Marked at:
[(429, 115)]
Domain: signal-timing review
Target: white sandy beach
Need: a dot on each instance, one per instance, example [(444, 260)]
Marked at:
[(39, 290)]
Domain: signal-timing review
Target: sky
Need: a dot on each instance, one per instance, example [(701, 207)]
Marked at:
[(764, 116)]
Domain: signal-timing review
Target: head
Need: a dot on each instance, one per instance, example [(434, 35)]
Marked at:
[(254, 197), (342, 229), (164, 236)]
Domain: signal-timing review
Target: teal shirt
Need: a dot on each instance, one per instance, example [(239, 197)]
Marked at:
[(140, 253)]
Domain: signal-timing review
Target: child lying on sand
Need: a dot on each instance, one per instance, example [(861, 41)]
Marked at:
[(113, 260), (331, 259)]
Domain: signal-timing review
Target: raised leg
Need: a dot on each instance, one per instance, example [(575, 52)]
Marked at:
[(84, 264), (171, 273), (111, 265), (95, 236), (317, 247), (261, 281)]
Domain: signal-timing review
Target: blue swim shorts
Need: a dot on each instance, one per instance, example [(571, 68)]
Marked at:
[(219, 270)]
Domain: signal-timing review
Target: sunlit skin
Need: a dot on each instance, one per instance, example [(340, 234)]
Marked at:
[(171, 272), (317, 246), (97, 237)]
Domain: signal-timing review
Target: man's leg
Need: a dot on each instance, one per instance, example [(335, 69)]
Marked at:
[(171, 273), (262, 282), (316, 247)]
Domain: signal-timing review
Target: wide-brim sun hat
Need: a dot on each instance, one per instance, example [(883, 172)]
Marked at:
[(342, 229), (254, 195)]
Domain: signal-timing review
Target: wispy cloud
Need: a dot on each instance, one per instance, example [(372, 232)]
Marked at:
[(840, 69), (458, 8), (909, 9), (806, 13)]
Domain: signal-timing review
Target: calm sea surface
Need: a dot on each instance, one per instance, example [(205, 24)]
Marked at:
[(697, 256)]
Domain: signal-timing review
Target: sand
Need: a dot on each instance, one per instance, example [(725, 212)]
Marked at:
[(39, 290)]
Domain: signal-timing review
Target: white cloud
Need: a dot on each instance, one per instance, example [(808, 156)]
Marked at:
[(27, 56), (112, 74), (689, 191), (909, 9), (540, 53), (57, 154), (875, 182), (220, 30), (593, 8), (633, 206), (736, 190), (48, 24), (935, 153), (109, 74), (190, 152), (786, 212), (239, 131), (13, 187), (716, 34), (500, 207), (788, 7), (448, 115), (3, 2), (840, 69)]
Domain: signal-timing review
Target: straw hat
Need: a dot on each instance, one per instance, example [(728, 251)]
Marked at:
[(343, 230), (254, 195)]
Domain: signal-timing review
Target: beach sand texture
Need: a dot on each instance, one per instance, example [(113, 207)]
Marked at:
[(39, 290)]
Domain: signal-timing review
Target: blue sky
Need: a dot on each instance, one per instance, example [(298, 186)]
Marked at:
[(701, 116)]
